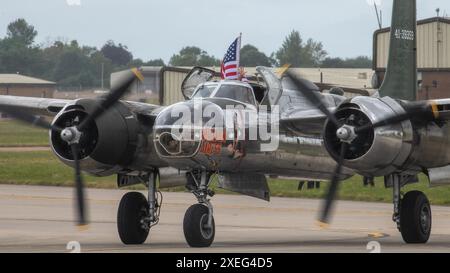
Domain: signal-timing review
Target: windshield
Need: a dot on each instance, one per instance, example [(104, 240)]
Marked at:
[(204, 91), (236, 92)]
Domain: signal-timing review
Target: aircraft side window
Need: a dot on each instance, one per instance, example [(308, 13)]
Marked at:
[(204, 91), (250, 97), (236, 92), (227, 91), (241, 94)]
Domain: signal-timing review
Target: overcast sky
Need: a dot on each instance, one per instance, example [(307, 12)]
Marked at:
[(157, 29)]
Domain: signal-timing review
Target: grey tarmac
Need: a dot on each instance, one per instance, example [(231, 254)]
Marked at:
[(41, 219)]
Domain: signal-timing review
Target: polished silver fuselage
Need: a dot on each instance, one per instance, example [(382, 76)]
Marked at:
[(299, 155)]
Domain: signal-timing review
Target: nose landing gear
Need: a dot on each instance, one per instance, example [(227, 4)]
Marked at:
[(198, 224)]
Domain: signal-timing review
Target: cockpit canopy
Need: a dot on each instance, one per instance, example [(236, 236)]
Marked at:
[(266, 90), (236, 91)]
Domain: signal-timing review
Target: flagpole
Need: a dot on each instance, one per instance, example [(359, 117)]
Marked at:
[(239, 55)]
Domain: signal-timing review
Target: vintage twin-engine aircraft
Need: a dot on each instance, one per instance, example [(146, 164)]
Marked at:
[(389, 135)]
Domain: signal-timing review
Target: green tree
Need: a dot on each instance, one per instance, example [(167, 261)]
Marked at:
[(330, 62), (136, 63), (140, 62), (16, 57), (98, 64), (155, 62), (358, 62), (313, 53), (17, 53), (291, 50), (193, 56), (50, 58), (299, 54), (252, 57), (118, 54), (75, 66), (71, 64), (19, 30)]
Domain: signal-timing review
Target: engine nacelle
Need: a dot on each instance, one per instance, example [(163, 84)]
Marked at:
[(375, 152), (106, 146)]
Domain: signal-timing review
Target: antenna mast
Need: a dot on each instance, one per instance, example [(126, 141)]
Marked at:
[(379, 15)]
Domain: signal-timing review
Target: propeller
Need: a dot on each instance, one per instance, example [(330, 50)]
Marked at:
[(79, 186), (73, 134), (315, 99), (327, 205), (423, 110)]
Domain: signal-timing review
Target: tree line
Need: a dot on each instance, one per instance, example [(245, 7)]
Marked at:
[(70, 64)]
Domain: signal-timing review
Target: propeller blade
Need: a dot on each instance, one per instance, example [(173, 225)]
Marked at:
[(333, 188), (313, 98), (79, 186), (114, 95), (28, 118)]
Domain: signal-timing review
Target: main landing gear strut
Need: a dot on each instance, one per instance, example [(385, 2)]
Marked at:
[(136, 216), (198, 224), (412, 212)]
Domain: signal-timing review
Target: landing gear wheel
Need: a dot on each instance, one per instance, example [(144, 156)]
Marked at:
[(195, 228), (133, 209), (415, 218)]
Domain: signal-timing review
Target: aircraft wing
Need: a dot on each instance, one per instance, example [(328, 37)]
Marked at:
[(51, 107), (356, 91), (311, 121), (38, 106), (146, 112)]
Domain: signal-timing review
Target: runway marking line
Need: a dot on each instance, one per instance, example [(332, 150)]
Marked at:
[(378, 235)]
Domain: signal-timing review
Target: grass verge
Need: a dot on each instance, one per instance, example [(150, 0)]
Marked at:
[(42, 168), (16, 134)]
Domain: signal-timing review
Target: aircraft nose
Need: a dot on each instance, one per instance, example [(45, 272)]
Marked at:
[(179, 129)]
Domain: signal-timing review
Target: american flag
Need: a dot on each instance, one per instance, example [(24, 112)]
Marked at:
[(230, 64)]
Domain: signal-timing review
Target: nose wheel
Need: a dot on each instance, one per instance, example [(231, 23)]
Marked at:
[(197, 231), (198, 225)]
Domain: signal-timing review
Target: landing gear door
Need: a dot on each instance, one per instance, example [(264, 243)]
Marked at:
[(198, 75), (274, 88)]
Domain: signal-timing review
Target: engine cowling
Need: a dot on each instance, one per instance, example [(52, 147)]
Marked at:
[(107, 145), (375, 152)]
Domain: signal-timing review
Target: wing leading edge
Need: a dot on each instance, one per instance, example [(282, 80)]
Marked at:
[(37, 106)]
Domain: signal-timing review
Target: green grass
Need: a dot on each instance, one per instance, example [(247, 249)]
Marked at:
[(353, 189), (15, 134), (43, 168)]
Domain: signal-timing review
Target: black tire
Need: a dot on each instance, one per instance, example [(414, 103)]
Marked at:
[(132, 208), (195, 233), (415, 218)]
